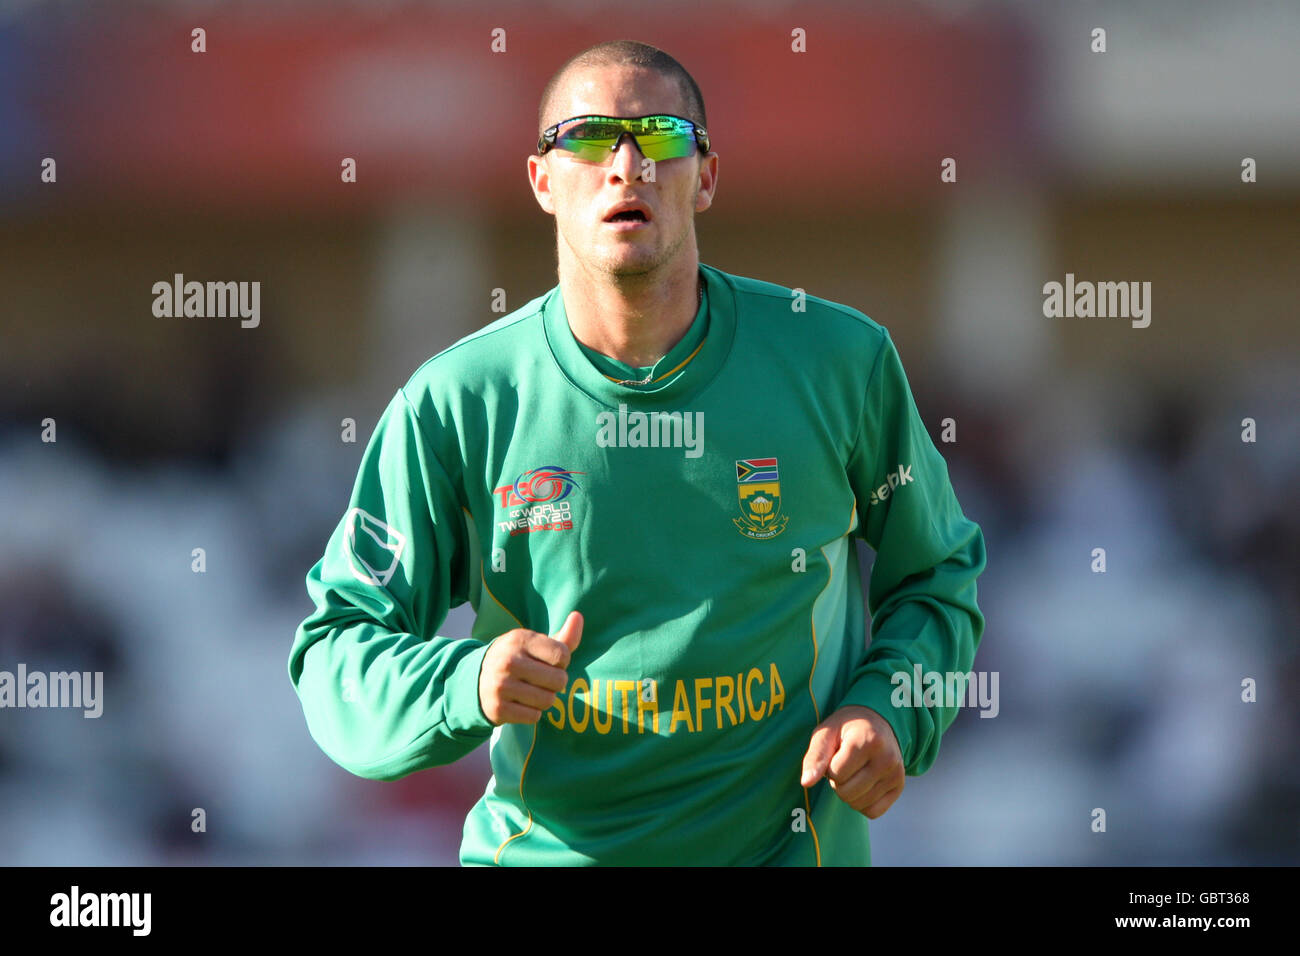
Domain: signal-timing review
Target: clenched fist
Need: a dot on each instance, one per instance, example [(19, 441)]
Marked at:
[(523, 670), (857, 751)]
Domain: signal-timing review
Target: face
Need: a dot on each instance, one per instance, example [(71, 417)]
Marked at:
[(580, 194)]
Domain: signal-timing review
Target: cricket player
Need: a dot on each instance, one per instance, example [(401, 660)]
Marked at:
[(646, 483)]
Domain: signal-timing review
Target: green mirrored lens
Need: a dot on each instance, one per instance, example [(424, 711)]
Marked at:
[(666, 145), (658, 137)]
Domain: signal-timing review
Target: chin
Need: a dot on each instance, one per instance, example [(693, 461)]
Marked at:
[(632, 265)]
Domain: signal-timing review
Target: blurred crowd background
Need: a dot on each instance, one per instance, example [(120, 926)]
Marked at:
[(1119, 690)]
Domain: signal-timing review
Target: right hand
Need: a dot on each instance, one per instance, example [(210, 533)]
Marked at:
[(523, 670)]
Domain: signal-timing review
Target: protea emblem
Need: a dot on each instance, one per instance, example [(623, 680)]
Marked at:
[(758, 485)]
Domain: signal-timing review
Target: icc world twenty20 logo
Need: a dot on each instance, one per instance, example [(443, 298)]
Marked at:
[(537, 500)]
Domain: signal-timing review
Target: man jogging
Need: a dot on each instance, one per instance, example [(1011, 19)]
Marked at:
[(646, 482)]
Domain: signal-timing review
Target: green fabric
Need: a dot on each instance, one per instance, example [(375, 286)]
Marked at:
[(723, 618), (678, 354)]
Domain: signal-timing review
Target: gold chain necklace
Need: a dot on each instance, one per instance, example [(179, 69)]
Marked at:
[(646, 381)]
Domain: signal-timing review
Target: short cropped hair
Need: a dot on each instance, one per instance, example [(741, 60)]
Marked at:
[(625, 53)]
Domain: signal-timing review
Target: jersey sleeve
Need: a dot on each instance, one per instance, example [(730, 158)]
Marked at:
[(383, 694), (922, 595)]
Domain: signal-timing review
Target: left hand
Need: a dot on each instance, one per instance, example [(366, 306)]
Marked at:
[(855, 748)]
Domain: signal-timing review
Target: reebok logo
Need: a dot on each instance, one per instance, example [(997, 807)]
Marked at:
[(895, 479)]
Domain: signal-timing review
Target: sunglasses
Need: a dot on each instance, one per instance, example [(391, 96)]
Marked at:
[(596, 138)]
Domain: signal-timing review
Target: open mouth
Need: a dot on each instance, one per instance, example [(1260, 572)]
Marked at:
[(628, 215)]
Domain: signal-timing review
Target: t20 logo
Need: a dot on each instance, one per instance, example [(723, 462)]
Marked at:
[(548, 483)]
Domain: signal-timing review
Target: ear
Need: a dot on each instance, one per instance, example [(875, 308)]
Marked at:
[(708, 182), (539, 177)]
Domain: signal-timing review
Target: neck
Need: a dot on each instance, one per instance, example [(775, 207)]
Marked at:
[(635, 320)]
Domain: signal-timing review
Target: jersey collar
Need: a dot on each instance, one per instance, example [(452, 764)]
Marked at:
[(676, 378)]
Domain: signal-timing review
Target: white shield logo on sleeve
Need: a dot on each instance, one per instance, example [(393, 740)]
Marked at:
[(373, 548)]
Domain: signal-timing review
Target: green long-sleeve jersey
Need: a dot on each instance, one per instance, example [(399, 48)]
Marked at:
[(701, 522)]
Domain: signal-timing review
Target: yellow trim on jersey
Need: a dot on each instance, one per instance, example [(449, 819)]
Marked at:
[(523, 771), (488, 590), (812, 621), (670, 371), (817, 714), (817, 847)]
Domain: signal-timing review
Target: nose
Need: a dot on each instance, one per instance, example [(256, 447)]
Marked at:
[(627, 162)]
